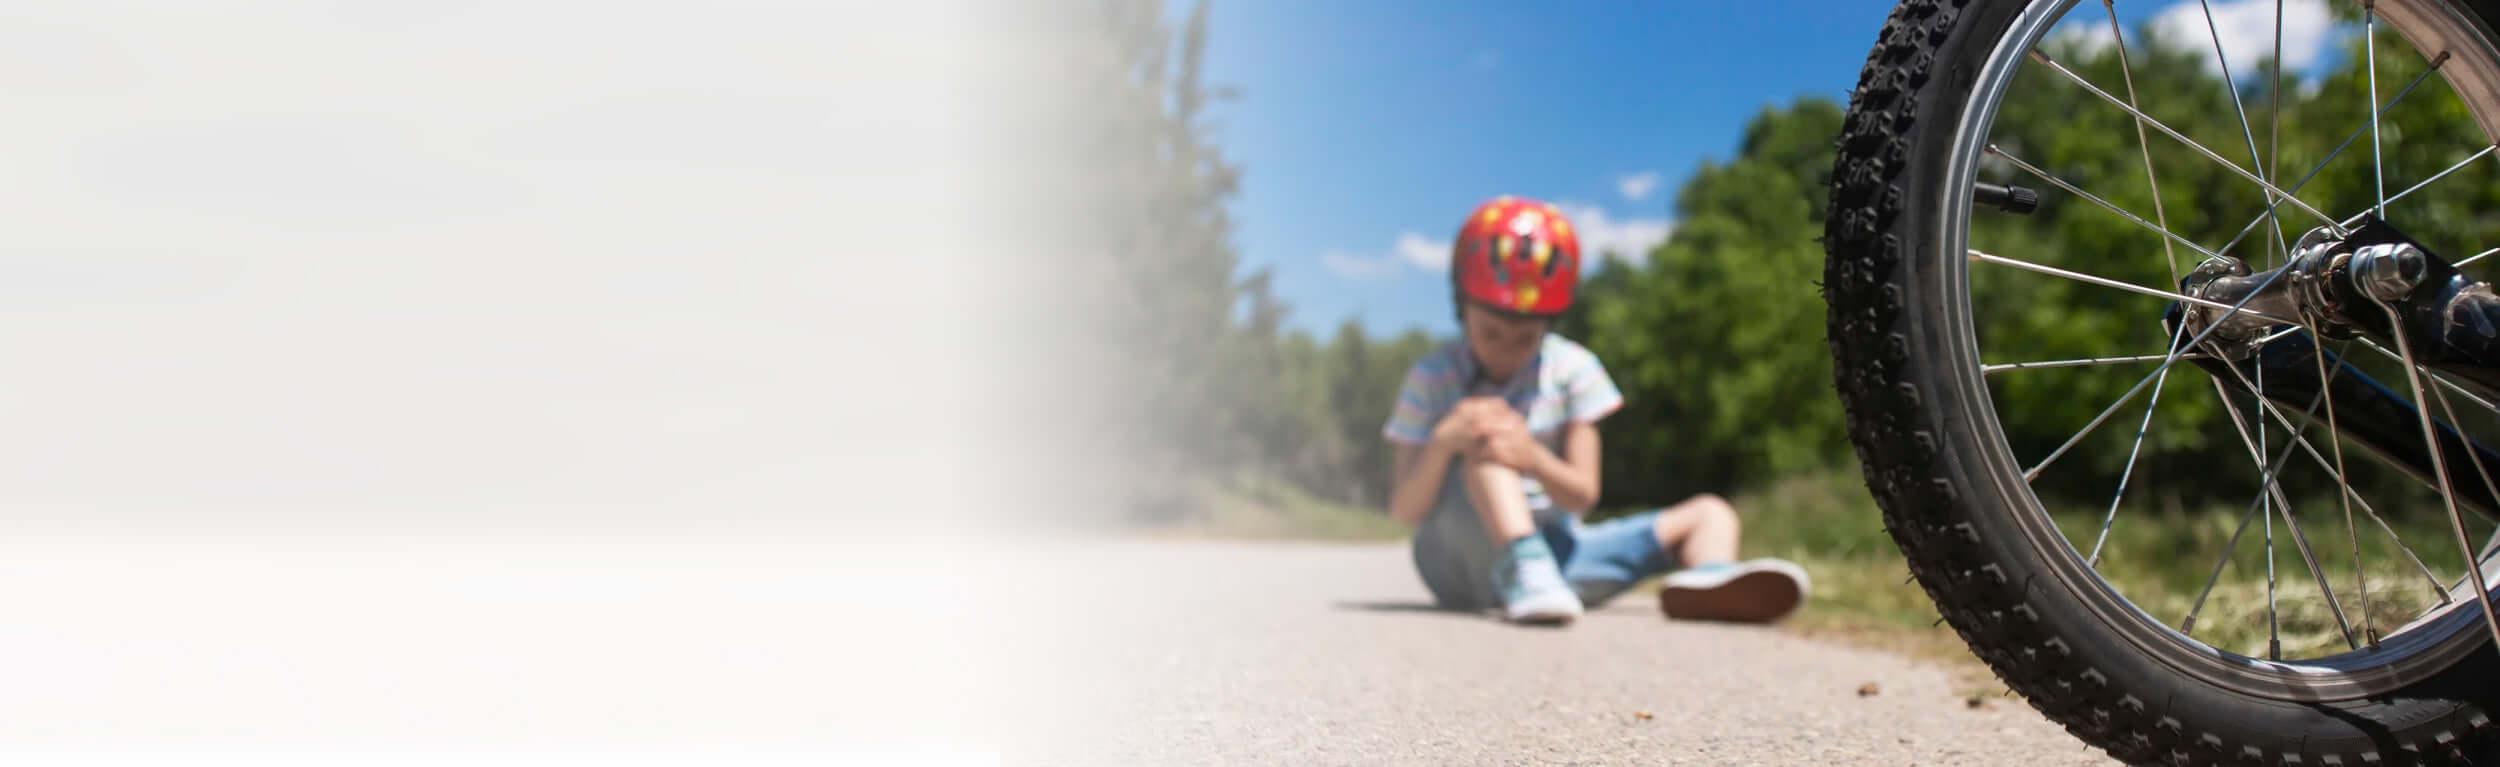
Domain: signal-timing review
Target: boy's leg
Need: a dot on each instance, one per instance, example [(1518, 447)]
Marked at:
[(1702, 530), (1527, 575), (1608, 557), (1455, 552), (1499, 500), (1452, 552)]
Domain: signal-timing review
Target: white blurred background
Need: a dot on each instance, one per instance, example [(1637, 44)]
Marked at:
[(446, 259), (541, 377)]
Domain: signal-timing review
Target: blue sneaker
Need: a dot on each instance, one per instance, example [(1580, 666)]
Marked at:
[(1531, 585)]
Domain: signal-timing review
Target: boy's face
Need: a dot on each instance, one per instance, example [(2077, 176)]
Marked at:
[(1502, 343)]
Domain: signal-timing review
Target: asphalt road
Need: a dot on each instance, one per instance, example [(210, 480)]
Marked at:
[(775, 647), (1314, 654)]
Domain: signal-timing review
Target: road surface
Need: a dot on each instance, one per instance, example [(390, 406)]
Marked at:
[(735, 647), (1249, 653)]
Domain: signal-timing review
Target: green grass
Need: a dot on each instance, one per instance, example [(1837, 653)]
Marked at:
[(1269, 510), (2159, 560)]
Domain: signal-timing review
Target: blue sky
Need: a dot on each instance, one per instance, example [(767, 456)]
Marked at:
[(1367, 130)]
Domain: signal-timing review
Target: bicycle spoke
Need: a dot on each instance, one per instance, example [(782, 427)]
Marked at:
[(2230, 85), (2265, 477), (2171, 359), (2266, 481), (2472, 456), (2167, 235), (2191, 144), (2274, 140), (2188, 625), (2439, 465), (2257, 454), (2251, 226), (2356, 218), (2335, 437), (2270, 497), (2087, 361), (2475, 457), (2378, 160), (2274, 618), (2300, 540), (2336, 471), (1986, 257), (2111, 518), (2476, 257), (2169, 256), (2435, 377)]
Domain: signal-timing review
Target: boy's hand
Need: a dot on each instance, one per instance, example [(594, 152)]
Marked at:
[(1470, 420), (1508, 443)]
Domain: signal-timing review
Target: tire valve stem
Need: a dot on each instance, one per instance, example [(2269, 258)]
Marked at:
[(2009, 198)]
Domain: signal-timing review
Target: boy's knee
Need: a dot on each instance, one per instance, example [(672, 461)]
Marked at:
[(1710, 507)]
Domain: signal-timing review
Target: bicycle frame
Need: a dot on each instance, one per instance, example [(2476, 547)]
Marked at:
[(2373, 282)]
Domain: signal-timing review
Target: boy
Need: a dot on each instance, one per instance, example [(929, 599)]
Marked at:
[(1497, 455)]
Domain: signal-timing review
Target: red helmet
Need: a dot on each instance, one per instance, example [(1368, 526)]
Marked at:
[(1517, 255)]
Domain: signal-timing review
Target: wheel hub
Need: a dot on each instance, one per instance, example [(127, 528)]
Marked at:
[(2339, 286)]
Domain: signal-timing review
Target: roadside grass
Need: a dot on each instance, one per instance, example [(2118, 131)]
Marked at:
[(1828, 523), (1268, 510)]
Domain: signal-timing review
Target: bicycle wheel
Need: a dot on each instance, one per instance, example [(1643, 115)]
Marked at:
[(1945, 319)]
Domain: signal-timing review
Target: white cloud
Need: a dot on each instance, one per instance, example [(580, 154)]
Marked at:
[(1410, 250), (1638, 185), (1424, 252), (2246, 29), (1356, 267), (2081, 34), (1600, 233)]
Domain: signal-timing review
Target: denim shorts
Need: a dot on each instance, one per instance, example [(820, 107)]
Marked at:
[(1456, 556)]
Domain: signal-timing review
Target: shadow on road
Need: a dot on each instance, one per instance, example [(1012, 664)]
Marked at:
[(1401, 607)]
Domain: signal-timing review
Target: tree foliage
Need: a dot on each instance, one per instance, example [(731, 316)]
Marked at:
[(1716, 335)]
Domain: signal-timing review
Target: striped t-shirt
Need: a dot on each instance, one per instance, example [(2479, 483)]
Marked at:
[(1564, 384)]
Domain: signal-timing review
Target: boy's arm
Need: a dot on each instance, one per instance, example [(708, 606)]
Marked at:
[(1416, 480), (1571, 478)]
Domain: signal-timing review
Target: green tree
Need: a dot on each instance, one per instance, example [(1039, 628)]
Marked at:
[(1145, 263), (1713, 336)]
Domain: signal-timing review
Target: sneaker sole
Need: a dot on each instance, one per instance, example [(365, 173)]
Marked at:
[(1757, 597)]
